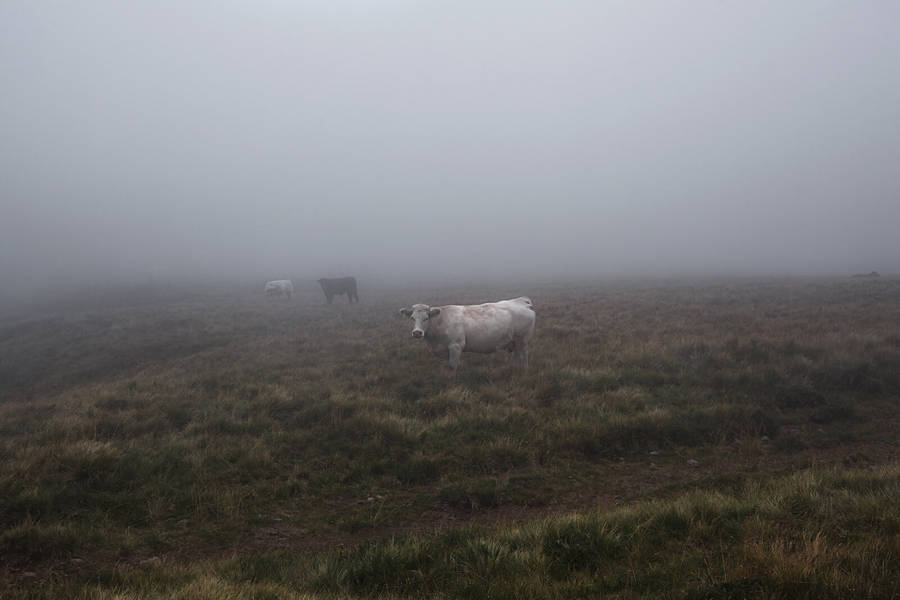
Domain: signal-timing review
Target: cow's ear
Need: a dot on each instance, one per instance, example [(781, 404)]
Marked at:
[(433, 312), (405, 312)]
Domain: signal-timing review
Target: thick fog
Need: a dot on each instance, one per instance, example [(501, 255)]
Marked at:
[(408, 139)]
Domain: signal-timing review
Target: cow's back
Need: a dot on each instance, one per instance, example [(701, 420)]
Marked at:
[(340, 285), (523, 316), (280, 287), (495, 325)]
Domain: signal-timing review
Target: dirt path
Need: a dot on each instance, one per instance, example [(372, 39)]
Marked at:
[(610, 484)]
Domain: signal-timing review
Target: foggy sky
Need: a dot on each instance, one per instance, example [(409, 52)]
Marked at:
[(447, 139)]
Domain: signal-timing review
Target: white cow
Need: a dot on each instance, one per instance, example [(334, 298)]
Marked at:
[(282, 287), (484, 328)]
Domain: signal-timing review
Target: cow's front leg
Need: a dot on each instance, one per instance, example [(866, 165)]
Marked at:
[(454, 352)]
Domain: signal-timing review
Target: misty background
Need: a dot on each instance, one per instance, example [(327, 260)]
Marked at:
[(405, 140)]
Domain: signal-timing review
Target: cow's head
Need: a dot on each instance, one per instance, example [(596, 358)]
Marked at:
[(420, 314)]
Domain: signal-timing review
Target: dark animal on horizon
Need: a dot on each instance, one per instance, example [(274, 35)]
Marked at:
[(337, 286), (483, 328)]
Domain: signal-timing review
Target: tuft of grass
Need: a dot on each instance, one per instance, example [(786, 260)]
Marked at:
[(577, 544), (31, 541)]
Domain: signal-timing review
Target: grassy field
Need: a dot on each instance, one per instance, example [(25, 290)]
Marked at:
[(673, 439)]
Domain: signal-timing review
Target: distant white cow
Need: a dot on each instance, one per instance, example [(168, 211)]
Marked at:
[(484, 328), (282, 287)]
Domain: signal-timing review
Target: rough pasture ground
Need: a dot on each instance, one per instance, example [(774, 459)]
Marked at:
[(225, 445)]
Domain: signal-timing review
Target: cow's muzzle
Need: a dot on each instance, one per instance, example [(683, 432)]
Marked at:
[(417, 333)]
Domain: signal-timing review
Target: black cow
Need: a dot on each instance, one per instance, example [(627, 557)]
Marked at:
[(341, 285)]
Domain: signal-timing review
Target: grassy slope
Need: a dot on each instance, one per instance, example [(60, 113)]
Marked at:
[(817, 534), (211, 426)]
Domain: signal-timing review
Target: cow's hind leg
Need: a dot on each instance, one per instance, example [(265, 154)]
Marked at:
[(522, 354)]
